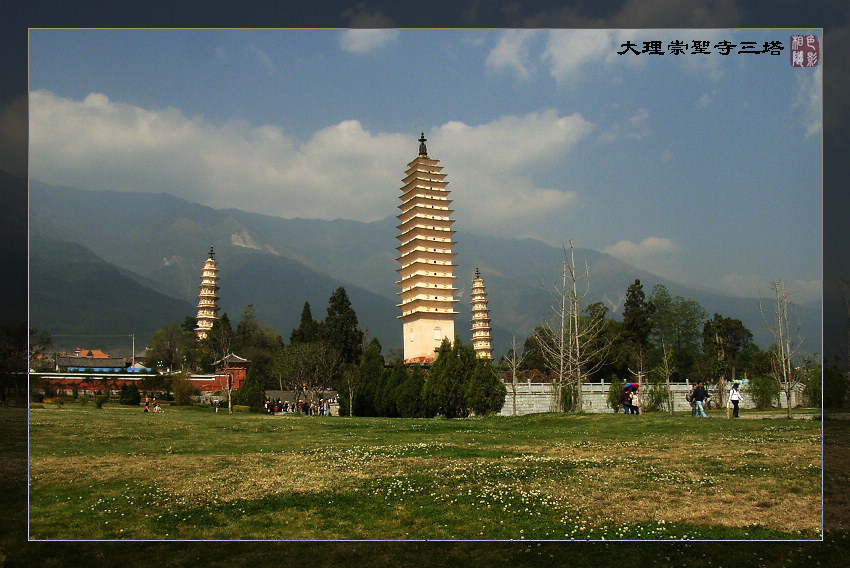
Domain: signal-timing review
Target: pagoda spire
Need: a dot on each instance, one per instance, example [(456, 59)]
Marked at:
[(481, 339), (423, 151), (207, 297)]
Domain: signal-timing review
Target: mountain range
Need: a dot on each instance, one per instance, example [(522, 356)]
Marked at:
[(111, 262)]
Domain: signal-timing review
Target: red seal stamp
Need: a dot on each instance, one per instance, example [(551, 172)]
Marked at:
[(805, 50)]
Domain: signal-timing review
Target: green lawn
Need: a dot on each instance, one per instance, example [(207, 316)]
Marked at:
[(118, 473)]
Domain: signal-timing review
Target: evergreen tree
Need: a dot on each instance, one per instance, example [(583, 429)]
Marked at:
[(445, 387), (365, 381), (485, 392), (533, 356), (636, 315), (724, 340), (387, 393), (308, 329), (408, 395), (258, 342), (341, 329), (251, 393)]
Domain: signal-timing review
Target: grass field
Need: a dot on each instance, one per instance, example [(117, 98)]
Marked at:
[(118, 473)]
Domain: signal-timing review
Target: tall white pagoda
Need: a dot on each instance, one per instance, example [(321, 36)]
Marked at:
[(426, 258), (207, 297), (481, 340)]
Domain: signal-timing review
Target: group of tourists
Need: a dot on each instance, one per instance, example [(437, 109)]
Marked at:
[(629, 401), (699, 398), (148, 408), (323, 408)]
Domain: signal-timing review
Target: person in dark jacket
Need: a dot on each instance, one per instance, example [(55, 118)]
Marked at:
[(699, 396), (625, 399)]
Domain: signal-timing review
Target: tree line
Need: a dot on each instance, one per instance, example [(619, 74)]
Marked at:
[(334, 353), (661, 338)]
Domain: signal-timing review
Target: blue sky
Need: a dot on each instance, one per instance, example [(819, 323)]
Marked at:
[(705, 169)]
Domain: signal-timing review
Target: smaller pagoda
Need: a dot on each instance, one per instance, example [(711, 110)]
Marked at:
[(207, 297), (481, 340)]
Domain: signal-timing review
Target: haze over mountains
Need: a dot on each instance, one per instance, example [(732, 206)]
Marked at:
[(109, 262)]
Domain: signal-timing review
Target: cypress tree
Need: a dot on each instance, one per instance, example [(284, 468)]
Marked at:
[(366, 380), (341, 328), (445, 387), (485, 392), (408, 395), (308, 329), (636, 315)]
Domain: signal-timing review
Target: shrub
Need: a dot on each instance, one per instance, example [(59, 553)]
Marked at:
[(763, 391), (250, 393), (485, 392), (37, 397), (100, 400), (569, 398), (241, 408), (183, 390), (654, 397), (130, 395), (614, 392), (83, 399)]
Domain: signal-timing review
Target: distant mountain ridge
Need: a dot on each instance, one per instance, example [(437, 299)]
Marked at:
[(277, 264)]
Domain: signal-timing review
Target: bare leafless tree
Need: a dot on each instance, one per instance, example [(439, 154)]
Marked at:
[(787, 342), (575, 346), (308, 367), (514, 362), (666, 367)]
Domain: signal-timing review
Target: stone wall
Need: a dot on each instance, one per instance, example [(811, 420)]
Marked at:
[(540, 397)]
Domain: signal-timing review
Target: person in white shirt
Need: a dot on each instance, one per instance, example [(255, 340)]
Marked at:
[(734, 399)]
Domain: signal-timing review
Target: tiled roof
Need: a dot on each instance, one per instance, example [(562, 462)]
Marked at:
[(96, 353), (91, 362), (231, 358)]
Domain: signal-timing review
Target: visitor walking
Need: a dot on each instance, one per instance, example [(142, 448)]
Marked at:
[(625, 397), (734, 399), (635, 402), (699, 396)]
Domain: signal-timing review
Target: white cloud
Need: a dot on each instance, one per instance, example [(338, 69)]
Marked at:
[(636, 127), (512, 53), (568, 51), (704, 101), (810, 99), (571, 53), (341, 171), (365, 41), (651, 246), (654, 254)]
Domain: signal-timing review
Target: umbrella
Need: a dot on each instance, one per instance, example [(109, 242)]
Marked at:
[(630, 386)]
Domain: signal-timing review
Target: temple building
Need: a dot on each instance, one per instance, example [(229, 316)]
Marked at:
[(426, 258), (207, 297), (481, 340)]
